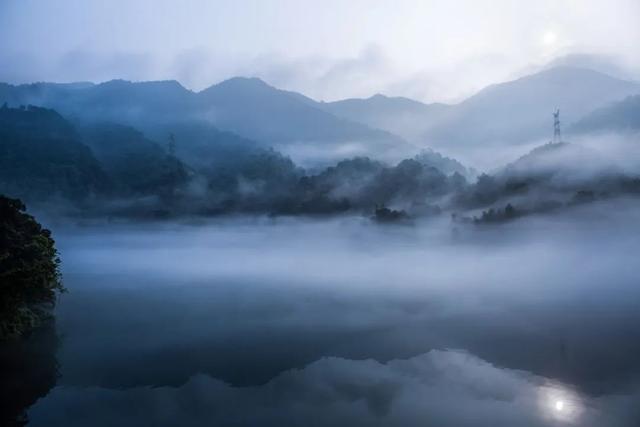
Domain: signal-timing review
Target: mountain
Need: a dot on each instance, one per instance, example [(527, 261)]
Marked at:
[(398, 115), (137, 104), (446, 165), (136, 165), (245, 106), (502, 115), (39, 93), (244, 113), (42, 157), (622, 116), (602, 63), (251, 108), (519, 111), (157, 109), (563, 165)]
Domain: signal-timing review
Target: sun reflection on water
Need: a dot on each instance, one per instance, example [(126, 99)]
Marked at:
[(560, 403)]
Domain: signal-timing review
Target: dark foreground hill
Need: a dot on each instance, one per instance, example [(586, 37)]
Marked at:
[(29, 275)]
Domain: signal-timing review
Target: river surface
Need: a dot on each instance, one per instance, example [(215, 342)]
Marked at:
[(278, 322)]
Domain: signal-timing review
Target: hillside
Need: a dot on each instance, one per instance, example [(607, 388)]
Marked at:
[(42, 157), (247, 107), (622, 116), (519, 111), (136, 165), (276, 115), (401, 116)]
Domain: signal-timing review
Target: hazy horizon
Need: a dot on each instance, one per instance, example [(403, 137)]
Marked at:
[(429, 51)]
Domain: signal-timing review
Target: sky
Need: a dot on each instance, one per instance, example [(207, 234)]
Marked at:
[(430, 50)]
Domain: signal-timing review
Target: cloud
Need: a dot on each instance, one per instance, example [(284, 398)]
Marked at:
[(77, 65), (86, 65), (432, 50)]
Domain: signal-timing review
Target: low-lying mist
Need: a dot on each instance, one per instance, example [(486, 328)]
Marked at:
[(261, 320)]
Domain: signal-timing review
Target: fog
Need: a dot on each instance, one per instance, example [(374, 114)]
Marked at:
[(593, 153), (621, 150), (320, 213), (428, 50), (343, 322)]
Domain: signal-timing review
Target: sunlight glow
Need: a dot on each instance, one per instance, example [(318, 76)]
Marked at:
[(561, 403), (550, 38)]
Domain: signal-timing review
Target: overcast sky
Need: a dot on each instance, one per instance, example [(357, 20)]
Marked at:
[(432, 50)]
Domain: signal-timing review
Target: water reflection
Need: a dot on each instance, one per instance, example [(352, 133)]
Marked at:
[(345, 325), (560, 403), (442, 388), (28, 371)]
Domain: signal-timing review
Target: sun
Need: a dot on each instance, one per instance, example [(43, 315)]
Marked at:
[(559, 405), (549, 38)]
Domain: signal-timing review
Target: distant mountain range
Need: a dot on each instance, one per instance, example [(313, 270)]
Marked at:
[(401, 116), (244, 106), (108, 169), (518, 112), (621, 116), (249, 112), (252, 108), (507, 113)]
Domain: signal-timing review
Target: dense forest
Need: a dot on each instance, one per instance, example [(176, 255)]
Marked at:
[(29, 274), (105, 169)]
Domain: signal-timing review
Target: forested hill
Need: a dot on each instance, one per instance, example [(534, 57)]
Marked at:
[(136, 165), (42, 157), (104, 169), (114, 169), (247, 107)]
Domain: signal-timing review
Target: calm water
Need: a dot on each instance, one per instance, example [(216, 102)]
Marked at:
[(340, 322)]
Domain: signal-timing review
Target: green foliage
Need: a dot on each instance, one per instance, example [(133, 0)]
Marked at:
[(136, 165), (29, 269), (362, 184), (383, 214), (498, 215), (42, 158)]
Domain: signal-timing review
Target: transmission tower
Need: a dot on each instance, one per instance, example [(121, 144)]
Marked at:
[(556, 127)]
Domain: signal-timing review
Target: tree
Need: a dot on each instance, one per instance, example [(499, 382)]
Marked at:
[(29, 270), (509, 211)]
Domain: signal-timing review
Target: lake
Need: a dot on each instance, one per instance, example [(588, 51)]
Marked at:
[(263, 321)]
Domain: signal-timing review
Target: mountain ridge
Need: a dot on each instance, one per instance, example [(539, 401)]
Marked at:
[(248, 107), (512, 113)]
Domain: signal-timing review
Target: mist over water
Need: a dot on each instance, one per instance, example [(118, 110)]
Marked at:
[(264, 321), (319, 213)]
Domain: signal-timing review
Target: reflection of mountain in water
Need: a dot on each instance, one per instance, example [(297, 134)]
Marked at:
[(29, 370)]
